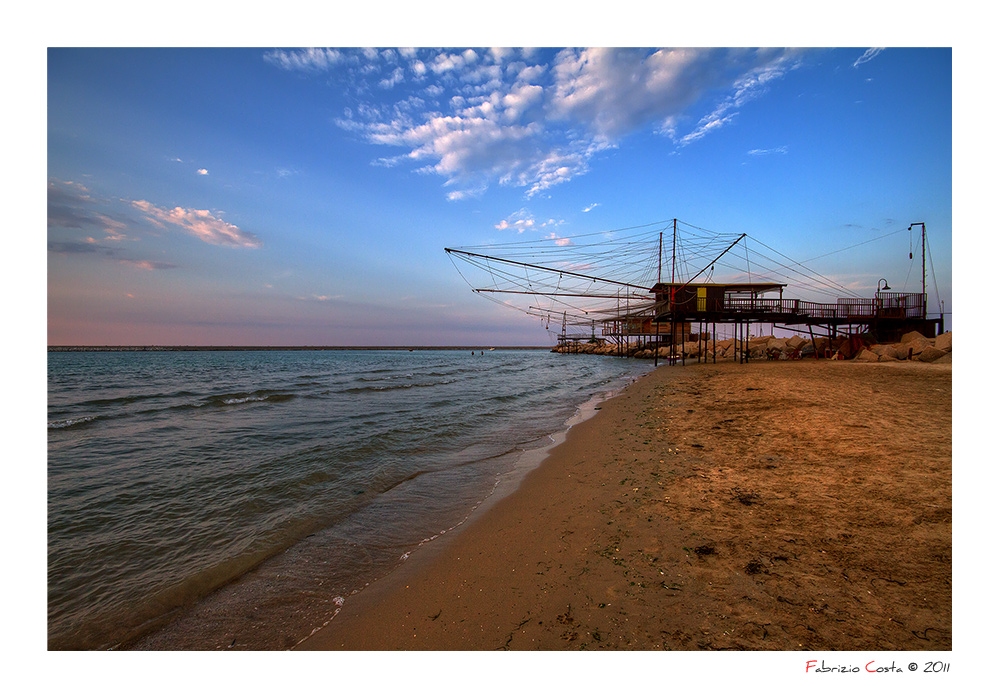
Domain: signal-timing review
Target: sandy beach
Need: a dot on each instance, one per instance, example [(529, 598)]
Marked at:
[(800, 505)]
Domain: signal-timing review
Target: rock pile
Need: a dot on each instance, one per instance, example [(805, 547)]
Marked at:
[(911, 347)]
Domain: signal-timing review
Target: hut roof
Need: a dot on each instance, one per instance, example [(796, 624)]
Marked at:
[(734, 287)]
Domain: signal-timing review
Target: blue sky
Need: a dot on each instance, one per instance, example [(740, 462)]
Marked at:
[(305, 196)]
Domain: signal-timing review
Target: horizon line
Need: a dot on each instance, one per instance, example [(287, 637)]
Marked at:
[(195, 348)]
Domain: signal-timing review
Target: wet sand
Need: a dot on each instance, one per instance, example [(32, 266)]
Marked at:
[(773, 506)]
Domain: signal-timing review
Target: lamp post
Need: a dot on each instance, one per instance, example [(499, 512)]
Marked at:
[(878, 301)]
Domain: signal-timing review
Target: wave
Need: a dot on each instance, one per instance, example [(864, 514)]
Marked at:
[(384, 378), (71, 422), (260, 396), (393, 387), (128, 399), (222, 400)]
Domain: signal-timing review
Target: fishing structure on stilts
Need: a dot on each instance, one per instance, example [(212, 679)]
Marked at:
[(655, 284)]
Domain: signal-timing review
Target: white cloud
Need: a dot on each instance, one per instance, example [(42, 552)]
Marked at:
[(590, 208), (521, 220), (199, 223), (535, 119), (305, 59), (393, 79), (561, 242), (868, 55), (781, 150), (446, 62), (202, 171)]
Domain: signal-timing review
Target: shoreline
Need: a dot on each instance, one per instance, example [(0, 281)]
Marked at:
[(214, 620), (507, 484), (769, 506), (283, 348)]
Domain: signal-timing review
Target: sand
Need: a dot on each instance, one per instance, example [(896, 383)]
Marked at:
[(801, 505)]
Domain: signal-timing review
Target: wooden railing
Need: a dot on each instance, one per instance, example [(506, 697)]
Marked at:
[(761, 305), (885, 305)]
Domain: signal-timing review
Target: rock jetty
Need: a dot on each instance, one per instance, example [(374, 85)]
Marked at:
[(860, 348)]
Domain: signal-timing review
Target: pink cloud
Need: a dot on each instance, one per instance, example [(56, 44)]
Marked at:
[(148, 264), (199, 223)]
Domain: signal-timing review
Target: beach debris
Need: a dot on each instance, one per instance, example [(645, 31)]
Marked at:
[(745, 497), (754, 567)]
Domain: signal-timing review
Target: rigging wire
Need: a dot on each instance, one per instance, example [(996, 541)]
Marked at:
[(934, 277), (553, 269), (747, 251), (863, 242), (833, 283)]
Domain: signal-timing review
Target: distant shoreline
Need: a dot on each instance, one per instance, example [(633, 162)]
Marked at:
[(259, 348)]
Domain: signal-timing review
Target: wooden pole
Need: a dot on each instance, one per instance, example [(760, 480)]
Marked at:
[(737, 347)]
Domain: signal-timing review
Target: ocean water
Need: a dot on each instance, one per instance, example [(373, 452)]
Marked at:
[(236, 499)]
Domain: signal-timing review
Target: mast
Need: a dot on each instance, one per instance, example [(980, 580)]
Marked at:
[(923, 263), (673, 255), (659, 268), (673, 292)]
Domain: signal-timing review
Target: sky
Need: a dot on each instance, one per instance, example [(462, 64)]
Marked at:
[(304, 196)]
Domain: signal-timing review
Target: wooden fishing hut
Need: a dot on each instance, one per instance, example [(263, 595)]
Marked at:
[(885, 318), (683, 304)]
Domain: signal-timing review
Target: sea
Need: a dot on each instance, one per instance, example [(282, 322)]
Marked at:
[(238, 499)]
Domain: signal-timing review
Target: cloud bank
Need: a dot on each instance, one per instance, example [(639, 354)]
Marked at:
[(72, 206), (532, 119)]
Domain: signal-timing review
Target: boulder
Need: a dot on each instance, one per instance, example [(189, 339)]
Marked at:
[(898, 352), (866, 355), (887, 357), (912, 347), (946, 359), (796, 343), (932, 353), (915, 341), (943, 341), (913, 335)]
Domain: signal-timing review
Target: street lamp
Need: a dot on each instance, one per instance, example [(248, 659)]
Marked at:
[(883, 288)]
